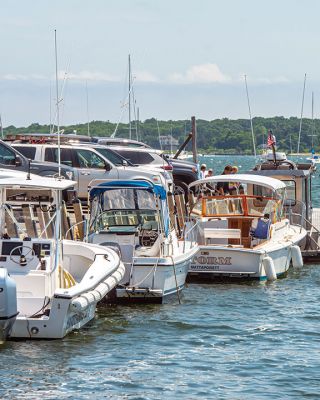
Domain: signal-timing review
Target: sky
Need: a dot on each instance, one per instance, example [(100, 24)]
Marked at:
[(188, 58)]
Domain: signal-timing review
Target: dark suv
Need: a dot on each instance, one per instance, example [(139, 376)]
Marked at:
[(183, 172)]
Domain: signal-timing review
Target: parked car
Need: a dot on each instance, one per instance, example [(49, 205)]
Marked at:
[(183, 172), (11, 158), (89, 164), (108, 141)]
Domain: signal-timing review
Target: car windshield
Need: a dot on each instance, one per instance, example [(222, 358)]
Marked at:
[(141, 157), (112, 156)]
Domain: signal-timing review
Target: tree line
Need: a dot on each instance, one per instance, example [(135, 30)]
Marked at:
[(215, 137)]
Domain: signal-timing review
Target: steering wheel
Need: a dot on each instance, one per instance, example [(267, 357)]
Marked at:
[(29, 255), (148, 237)]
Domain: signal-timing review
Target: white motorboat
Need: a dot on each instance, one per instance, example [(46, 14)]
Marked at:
[(48, 286), (315, 159), (133, 217), (244, 235)]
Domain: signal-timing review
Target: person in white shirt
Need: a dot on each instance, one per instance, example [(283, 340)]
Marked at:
[(203, 168)]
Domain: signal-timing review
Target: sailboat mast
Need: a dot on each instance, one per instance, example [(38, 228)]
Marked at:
[(1, 127), (300, 127), (253, 141), (129, 60), (57, 103), (137, 123), (88, 132), (312, 104)]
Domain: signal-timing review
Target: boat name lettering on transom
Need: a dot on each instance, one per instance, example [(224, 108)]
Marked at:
[(213, 260)]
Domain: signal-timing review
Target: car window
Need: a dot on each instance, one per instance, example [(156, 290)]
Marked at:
[(89, 159), (139, 157), (110, 155), (51, 154), (27, 151), (7, 156)]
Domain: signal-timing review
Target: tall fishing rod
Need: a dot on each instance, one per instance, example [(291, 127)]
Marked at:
[(302, 103), (253, 141)]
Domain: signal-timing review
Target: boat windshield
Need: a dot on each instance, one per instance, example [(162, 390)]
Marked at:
[(238, 205), (124, 207), (28, 213)]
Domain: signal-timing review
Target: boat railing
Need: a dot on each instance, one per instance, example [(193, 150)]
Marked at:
[(191, 234), (74, 231), (295, 211)]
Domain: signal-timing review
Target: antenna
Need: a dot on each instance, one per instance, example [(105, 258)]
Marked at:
[(159, 135), (138, 123), (50, 105), (57, 103), (312, 125), (129, 60), (304, 88), (1, 127), (253, 141), (88, 108)]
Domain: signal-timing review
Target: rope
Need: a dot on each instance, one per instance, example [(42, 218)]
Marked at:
[(175, 277)]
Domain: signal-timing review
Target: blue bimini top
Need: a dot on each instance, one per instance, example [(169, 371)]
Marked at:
[(158, 190)]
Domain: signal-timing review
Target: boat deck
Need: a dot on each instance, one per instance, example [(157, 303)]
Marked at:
[(313, 254), (316, 218)]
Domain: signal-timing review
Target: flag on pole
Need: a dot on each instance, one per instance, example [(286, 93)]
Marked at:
[(271, 139)]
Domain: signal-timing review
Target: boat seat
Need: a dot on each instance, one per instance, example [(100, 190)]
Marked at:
[(218, 233), (152, 251)]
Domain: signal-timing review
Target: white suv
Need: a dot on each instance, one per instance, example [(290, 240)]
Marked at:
[(90, 165)]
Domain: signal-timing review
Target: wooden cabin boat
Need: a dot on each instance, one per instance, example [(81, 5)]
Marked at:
[(243, 236)]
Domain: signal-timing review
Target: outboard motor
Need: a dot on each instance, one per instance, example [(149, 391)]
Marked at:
[(8, 303)]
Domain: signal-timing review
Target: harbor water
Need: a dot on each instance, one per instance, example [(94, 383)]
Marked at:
[(224, 341)]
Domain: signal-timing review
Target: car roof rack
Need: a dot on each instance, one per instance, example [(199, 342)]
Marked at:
[(35, 138)]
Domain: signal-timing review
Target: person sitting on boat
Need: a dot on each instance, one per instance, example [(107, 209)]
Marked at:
[(210, 173), (223, 187), (203, 171)]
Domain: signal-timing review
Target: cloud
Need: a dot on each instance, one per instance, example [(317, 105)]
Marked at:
[(145, 76), (89, 76), (21, 77), (203, 73)]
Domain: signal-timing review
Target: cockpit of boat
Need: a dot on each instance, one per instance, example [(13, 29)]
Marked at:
[(127, 218), (238, 219)]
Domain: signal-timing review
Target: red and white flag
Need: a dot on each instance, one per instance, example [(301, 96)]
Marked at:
[(271, 139)]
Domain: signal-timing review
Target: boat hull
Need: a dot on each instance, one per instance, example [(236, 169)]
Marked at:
[(156, 280), (213, 262), (58, 324)]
